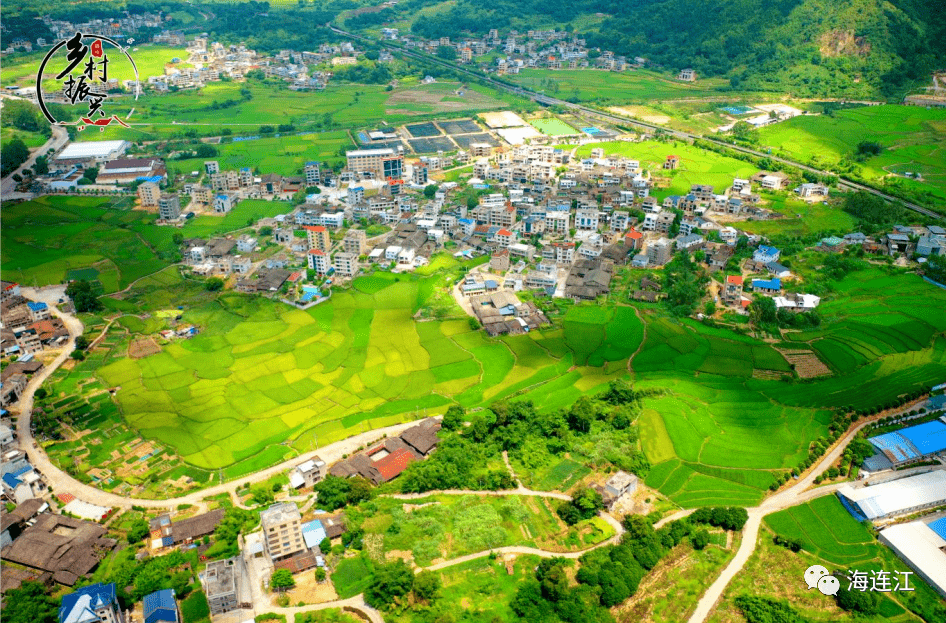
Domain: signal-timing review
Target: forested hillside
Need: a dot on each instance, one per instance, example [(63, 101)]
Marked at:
[(859, 48)]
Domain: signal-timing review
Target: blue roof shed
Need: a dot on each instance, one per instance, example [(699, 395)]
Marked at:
[(160, 606)]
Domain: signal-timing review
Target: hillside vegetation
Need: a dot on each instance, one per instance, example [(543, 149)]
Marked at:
[(860, 48)]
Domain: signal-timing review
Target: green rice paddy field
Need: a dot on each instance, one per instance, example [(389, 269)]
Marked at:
[(618, 87), (913, 138), (346, 105), (46, 240), (829, 536), (263, 381)]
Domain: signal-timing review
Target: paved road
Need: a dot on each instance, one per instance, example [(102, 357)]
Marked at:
[(57, 139), (63, 482), (798, 493)]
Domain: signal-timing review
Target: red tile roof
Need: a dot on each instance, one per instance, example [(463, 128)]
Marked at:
[(393, 464), (316, 252), (504, 232), (736, 280), (314, 228), (633, 234)]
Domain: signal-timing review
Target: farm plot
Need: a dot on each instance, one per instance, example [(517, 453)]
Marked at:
[(46, 239), (842, 545), (431, 145), (912, 139), (460, 126), (465, 140), (423, 130), (440, 97), (446, 527)]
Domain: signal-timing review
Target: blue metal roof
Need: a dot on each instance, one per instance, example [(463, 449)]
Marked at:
[(768, 284), (160, 606), (37, 306), (11, 481), (928, 437), (939, 527), (76, 606)]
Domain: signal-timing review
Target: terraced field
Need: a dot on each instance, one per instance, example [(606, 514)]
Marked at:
[(831, 537)]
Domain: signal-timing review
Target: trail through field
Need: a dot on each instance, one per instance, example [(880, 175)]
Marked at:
[(630, 360)]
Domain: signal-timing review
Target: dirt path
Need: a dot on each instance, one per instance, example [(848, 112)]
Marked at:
[(630, 360)]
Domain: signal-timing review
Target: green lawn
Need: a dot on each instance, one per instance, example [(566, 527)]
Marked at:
[(913, 140)]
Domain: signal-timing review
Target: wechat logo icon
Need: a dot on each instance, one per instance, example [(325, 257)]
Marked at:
[(817, 576)]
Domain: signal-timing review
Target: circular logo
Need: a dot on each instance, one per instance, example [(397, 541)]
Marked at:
[(87, 67)]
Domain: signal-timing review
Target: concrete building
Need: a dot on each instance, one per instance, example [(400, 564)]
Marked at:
[(97, 603), (149, 193), (282, 530), (319, 261), (346, 264), (384, 162), (308, 473), (313, 173), (169, 206), (356, 241), (222, 581), (658, 252), (318, 238)]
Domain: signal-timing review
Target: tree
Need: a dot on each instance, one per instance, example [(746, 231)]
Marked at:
[(700, 539), (177, 238), (262, 495), (138, 531), (40, 393), (91, 174), (332, 492), (325, 545), (29, 604), (863, 602), (935, 268), (82, 342), (266, 231), (206, 151), (426, 586), (320, 574), (13, 153), (763, 310), (447, 52), (78, 355), (82, 297), (213, 284), (430, 190), (281, 580), (581, 415), (710, 308), (454, 417), (390, 582)]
